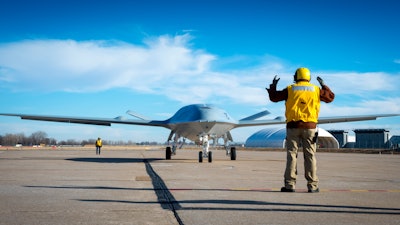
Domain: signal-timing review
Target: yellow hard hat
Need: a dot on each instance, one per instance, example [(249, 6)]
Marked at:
[(302, 74)]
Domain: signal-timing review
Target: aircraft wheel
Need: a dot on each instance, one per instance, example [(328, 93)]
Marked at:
[(200, 156), (233, 153), (209, 156), (168, 153)]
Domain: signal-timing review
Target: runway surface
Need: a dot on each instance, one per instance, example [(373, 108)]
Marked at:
[(140, 187)]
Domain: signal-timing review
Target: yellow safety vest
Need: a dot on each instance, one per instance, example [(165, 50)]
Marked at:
[(303, 102), (98, 143)]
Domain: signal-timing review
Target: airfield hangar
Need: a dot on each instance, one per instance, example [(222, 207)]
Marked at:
[(395, 142), (275, 138), (365, 138), (372, 138), (342, 136)]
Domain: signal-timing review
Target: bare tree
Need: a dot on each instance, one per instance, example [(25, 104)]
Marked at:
[(40, 137), (13, 139), (37, 138)]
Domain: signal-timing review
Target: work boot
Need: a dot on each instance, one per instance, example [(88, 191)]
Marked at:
[(284, 189), (313, 190)]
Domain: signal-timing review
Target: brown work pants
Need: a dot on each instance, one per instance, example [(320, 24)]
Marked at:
[(294, 138)]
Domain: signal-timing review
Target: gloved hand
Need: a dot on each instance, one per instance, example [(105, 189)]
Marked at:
[(275, 80), (274, 83), (321, 82)]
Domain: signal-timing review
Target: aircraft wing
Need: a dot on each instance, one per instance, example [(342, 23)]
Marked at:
[(321, 120), (342, 119), (89, 120), (241, 123)]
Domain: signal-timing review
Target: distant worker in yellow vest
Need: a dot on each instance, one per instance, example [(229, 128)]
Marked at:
[(99, 144), (302, 100)]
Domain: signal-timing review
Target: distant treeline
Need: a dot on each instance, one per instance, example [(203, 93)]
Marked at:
[(41, 138)]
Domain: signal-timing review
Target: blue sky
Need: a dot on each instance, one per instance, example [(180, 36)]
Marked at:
[(101, 58)]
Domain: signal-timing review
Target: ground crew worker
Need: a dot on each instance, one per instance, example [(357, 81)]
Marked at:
[(302, 101), (99, 144)]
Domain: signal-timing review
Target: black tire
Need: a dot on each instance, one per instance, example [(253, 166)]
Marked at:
[(233, 153), (168, 153), (200, 157), (209, 156)]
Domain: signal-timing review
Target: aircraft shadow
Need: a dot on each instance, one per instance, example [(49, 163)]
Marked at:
[(143, 189), (113, 160), (243, 205)]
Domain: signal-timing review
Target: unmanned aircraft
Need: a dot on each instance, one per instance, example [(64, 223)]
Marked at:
[(197, 122)]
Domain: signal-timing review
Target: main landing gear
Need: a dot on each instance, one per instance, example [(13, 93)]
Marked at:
[(233, 153), (168, 153)]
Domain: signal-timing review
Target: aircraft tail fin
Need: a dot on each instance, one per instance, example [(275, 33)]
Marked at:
[(256, 116), (137, 115)]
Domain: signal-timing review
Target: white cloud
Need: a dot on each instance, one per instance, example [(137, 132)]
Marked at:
[(397, 61), (98, 65), (164, 65), (361, 83), (362, 107)]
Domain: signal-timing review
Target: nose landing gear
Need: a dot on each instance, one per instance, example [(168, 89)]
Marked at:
[(208, 155)]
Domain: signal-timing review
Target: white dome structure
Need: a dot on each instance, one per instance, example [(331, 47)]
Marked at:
[(276, 138)]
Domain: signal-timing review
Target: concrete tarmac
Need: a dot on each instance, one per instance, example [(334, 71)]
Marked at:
[(140, 187)]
